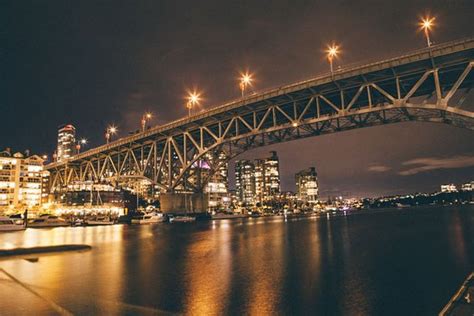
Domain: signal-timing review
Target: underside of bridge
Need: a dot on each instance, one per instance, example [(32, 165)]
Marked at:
[(431, 85)]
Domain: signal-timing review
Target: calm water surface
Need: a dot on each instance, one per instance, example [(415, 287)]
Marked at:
[(394, 262)]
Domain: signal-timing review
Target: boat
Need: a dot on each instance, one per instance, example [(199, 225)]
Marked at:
[(229, 216), (181, 219), (47, 221), (150, 218), (98, 220), (7, 225)]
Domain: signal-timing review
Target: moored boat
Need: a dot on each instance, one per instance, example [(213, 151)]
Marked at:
[(150, 218), (47, 221), (181, 219), (98, 220), (7, 225)]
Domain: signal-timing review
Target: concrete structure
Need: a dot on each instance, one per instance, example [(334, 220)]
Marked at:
[(267, 178), (66, 142), (427, 85), (21, 182), (307, 185)]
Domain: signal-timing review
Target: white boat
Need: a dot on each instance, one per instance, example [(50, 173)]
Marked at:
[(149, 218), (47, 221), (98, 220), (182, 219), (7, 225)]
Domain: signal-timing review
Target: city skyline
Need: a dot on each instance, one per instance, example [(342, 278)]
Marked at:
[(375, 167)]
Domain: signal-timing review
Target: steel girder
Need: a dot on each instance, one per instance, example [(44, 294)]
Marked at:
[(430, 86)]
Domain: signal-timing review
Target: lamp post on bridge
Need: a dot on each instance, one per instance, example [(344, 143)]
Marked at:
[(426, 24), (193, 99), (111, 130), (331, 53), (146, 117), (81, 143), (245, 81)]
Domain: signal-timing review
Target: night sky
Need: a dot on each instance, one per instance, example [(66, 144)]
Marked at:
[(92, 63)]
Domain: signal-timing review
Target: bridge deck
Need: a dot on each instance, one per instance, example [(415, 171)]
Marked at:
[(451, 53)]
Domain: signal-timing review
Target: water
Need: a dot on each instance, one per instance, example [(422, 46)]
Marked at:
[(399, 262)]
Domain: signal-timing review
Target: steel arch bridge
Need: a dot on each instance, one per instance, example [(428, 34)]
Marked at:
[(429, 85)]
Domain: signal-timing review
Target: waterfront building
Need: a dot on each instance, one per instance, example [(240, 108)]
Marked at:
[(21, 181), (272, 176), (245, 181), (307, 185), (468, 186), (217, 185), (258, 181), (66, 142), (446, 188)]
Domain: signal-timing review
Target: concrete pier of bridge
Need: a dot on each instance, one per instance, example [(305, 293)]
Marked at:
[(184, 203)]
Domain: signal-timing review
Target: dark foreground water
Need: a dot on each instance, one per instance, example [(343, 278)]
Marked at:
[(398, 262)]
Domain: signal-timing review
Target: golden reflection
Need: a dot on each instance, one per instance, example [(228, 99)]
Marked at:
[(208, 271)]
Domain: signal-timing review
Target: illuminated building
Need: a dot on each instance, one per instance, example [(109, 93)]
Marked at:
[(212, 170), (307, 185), (21, 181), (245, 181), (468, 186), (258, 181), (448, 188), (267, 178), (217, 187), (66, 142)]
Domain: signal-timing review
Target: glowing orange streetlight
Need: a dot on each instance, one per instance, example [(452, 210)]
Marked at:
[(146, 117), (111, 130), (426, 24), (193, 99), (331, 53), (245, 81)]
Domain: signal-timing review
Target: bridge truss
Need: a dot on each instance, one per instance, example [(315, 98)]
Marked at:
[(430, 85)]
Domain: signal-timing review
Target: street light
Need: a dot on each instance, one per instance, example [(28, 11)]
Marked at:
[(331, 53), (146, 117), (111, 130), (81, 143), (245, 81), (193, 99), (426, 24)]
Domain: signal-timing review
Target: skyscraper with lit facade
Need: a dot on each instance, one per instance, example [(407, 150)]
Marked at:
[(66, 142), (245, 181), (307, 185)]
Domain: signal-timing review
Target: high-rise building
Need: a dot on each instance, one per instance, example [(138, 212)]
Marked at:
[(307, 185), (21, 181), (272, 176), (258, 181), (245, 181), (66, 142)]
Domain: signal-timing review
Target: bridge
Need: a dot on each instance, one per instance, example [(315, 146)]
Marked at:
[(428, 85)]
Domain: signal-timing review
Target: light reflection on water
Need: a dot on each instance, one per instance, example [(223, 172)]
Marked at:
[(354, 264)]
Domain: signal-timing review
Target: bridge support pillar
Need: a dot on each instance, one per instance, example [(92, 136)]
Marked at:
[(184, 203)]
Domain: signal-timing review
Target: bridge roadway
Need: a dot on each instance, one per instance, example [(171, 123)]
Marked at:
[(429, 85)]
